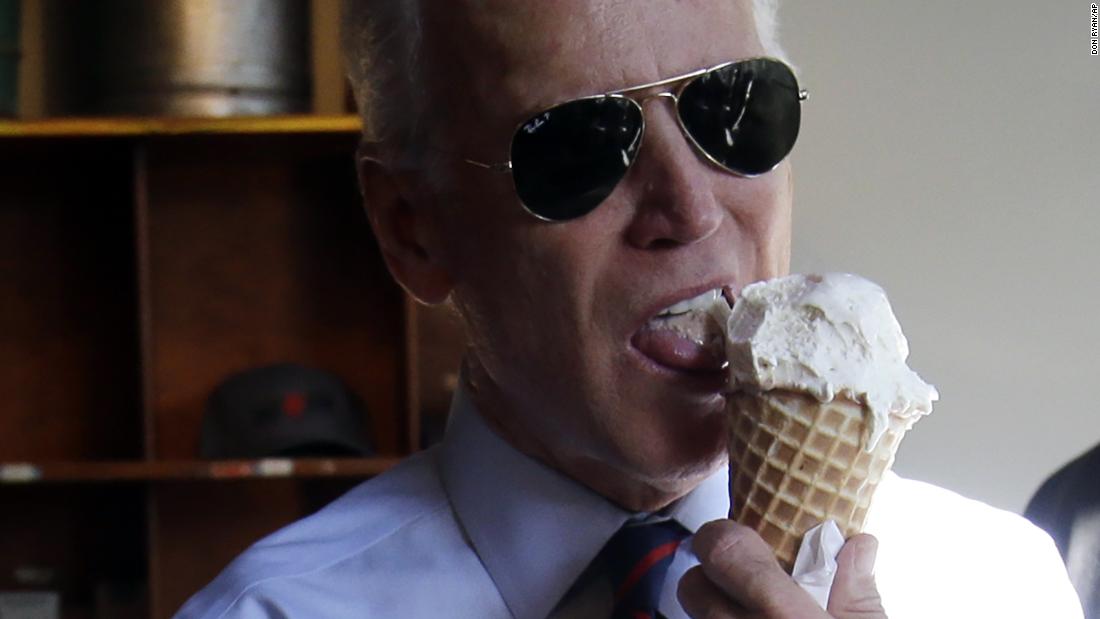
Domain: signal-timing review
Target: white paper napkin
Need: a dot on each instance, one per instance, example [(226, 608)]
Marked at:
[(815, 565)]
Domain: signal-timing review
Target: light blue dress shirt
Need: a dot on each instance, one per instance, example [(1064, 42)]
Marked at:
[(468, 528), (473, 528)]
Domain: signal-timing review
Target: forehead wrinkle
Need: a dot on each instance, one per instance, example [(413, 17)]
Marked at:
[(524, 56), (516, 41), (602, 31), (736, 15), (635, 50)]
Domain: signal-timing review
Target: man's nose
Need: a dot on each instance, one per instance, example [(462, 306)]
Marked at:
[(671, 186)]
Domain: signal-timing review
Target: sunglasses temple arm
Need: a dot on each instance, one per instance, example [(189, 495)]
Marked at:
[(494, 167)]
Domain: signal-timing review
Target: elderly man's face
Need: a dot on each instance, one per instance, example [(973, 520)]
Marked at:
[(567, 358)]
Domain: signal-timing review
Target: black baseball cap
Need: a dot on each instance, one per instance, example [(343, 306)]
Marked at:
[(283, 410)]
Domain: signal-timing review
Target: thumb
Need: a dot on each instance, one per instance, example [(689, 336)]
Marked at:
[(854, 595)]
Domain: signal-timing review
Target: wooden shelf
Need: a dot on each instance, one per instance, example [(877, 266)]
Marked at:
[(147, 259), (121, 127), (181, 470), (151, 259)]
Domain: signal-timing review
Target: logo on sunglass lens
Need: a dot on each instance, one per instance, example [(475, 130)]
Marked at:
[(538, 121)]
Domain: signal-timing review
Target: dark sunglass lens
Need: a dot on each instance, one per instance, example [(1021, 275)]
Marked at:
[(568, 159), (744, 115)]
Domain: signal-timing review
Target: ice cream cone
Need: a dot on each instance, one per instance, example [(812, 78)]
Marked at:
[(820, 395), (796, 462)]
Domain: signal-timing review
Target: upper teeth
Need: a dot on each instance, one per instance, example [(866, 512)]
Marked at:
[(700, 302)]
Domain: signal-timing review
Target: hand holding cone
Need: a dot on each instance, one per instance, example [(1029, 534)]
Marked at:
[(820, 399)]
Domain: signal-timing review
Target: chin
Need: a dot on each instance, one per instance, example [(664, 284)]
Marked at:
[(688, 450)]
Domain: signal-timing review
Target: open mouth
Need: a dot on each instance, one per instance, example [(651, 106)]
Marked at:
[(687, 336)]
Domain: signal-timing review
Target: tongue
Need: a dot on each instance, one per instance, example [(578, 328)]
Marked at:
[(674, 350)]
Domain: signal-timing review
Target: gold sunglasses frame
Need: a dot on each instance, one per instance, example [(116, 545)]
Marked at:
[(674, 95)]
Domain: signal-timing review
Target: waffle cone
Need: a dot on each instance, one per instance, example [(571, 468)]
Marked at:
[(796, 462)]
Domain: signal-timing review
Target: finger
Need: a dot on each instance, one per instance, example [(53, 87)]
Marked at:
[(700, 598), (854, 593), (743, 566)]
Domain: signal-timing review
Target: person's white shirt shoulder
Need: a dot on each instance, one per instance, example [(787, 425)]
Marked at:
[(943, 555), (390, 547)]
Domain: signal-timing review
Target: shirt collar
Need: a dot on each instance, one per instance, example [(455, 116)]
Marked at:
[(535, 529)]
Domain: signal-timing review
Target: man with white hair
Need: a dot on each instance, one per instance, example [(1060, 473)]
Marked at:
[(563, 173)]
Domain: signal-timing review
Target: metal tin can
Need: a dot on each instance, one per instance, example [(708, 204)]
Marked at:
[(184, 57)]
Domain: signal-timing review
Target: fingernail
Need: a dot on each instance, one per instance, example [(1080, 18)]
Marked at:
[(865, 555)]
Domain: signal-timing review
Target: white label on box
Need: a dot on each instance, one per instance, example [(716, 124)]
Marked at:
[(275, 467), (19, 472)]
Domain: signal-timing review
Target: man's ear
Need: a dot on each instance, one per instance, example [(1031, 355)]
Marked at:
[(403, 228)]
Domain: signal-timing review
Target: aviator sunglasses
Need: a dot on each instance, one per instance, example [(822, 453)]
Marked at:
[(742, 116)]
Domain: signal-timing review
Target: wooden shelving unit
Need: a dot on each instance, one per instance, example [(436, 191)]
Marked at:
[(142, 261), (12, 473), (145, 127)]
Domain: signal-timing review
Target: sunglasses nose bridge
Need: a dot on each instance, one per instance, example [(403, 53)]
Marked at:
[(667, 95), (660, 95)]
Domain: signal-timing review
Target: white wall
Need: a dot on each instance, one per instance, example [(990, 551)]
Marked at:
[(951, 152)]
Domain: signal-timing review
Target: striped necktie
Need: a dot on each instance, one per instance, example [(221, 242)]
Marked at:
[(637, 558)]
